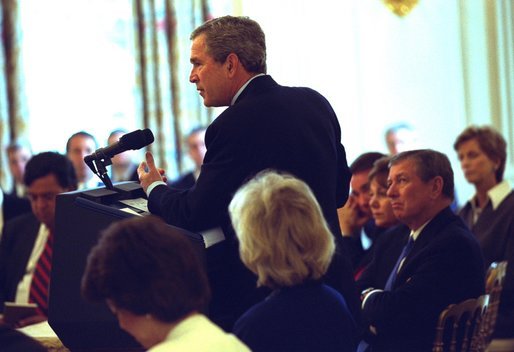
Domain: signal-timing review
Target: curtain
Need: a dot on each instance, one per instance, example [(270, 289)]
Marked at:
[(169, 105), (12, 100)]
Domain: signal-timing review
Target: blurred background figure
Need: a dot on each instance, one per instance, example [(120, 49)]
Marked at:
[(78, 146), (18, 154), (11, 207), (153, 281), (14, 202), (400, 137), (195, 143), (285, 240), (123, 167), (482, 152)]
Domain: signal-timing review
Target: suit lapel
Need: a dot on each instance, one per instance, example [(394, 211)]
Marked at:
[(430, 233)]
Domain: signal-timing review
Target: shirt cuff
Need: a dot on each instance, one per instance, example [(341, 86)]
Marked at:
[(153, 185), (369, 295)]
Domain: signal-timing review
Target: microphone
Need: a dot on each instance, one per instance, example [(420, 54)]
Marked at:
[(130, 141)]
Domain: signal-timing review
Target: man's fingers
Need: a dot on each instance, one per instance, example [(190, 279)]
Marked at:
[(141, 169), (149, 161)]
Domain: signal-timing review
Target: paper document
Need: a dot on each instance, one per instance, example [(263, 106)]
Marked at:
[(138, 203), (131, 211)]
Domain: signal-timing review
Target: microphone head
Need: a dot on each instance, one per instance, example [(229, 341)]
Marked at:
[(137, 139)]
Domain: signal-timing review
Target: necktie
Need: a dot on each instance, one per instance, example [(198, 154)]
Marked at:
[(41, 278), (392, 277)]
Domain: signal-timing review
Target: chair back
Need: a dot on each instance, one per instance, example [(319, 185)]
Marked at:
[(459, 326), (493, 286)]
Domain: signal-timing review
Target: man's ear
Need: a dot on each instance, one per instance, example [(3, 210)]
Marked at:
[(232, 63), (437, 186)]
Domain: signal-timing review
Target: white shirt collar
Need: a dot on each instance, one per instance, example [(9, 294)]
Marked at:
[(415, 233), (243, 88), (496, 195)]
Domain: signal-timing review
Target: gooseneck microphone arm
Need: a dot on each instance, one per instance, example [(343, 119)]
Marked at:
[(99, 167)]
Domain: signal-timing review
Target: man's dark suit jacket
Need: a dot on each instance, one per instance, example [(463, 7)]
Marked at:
[(18, 238), (185, 181), (384, 253), (269, 127), (445, 266), (14, 206)]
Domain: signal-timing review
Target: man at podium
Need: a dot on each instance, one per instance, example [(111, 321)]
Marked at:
[(265, 126)]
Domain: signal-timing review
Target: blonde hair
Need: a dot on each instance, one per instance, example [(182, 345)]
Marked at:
[(283, 236)]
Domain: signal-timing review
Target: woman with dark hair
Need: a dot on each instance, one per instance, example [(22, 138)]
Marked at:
[(482, 153), (393, 235), (154, 282)]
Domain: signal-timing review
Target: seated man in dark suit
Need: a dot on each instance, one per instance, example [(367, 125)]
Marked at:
[(441, 263), (357, 225), (196, 151), (25, 248)]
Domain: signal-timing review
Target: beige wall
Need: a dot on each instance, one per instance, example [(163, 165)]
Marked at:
[(444, 66)]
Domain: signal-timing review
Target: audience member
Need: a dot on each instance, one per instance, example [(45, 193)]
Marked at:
[(123, 167), (18, 154), (26, 246), (441, 263), (196, 150), (153, 281), (400, 137), (302, 313), (489, 214), (266, 125), (78, 146), (357, 225), (393, 235)]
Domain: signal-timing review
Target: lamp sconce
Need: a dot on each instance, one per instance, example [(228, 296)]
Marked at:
[(400, 7)]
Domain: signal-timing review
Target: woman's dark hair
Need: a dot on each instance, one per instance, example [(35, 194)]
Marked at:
[(146, 267)]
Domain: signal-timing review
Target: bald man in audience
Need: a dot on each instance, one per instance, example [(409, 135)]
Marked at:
[(123, 167), (78, 146)]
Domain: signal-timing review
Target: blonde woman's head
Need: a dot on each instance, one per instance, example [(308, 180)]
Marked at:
[(283, 236)]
